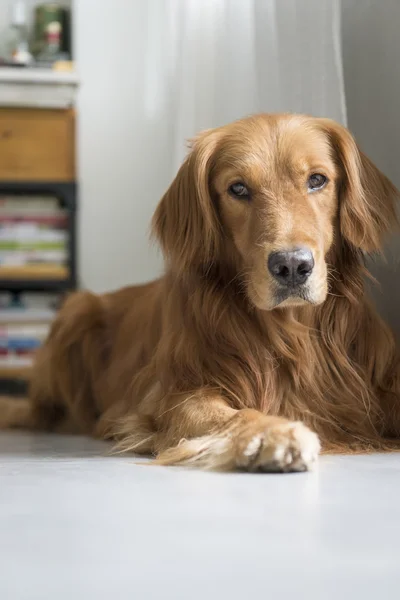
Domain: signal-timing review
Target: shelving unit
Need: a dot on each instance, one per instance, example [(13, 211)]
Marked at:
[(37, 159), (17, 281)]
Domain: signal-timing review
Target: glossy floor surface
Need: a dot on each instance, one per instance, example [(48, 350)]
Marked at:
[(78, 524)]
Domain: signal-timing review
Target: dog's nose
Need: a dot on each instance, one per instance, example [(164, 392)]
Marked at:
[(291, 267)]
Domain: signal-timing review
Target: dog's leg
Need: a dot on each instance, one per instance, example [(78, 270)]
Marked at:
[(204, 431), (15, 413), (23, 413)]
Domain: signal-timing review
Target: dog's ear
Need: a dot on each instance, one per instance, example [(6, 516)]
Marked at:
[(185, 222), (367, 199)]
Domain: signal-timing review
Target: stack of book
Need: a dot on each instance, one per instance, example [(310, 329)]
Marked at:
[(22, 332), (33, 238)]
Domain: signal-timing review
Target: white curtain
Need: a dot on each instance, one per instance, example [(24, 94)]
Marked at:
[(212, 61), (155, 72)]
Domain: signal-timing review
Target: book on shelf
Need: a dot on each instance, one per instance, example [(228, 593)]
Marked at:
[(58, 221), (26, 315), (17, 333), (34, 245), (22, 331), (34, 238), (9, 363), (30, 204), (34, 272), (30, 232), (28, 257), (20, 245)]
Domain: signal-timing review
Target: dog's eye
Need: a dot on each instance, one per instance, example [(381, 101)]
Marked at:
[(239, 190), (316, 181)]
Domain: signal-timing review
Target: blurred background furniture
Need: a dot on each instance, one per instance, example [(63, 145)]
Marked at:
[(38, 200)]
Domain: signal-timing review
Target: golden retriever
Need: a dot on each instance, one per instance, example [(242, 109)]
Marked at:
[(259, 344)]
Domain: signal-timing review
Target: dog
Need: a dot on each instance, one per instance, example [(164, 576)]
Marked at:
[(259, 345)]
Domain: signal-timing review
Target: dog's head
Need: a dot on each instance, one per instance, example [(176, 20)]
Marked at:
[(268, 196)]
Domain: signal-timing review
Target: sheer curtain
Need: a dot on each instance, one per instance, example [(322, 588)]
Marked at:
[(156, 72), (224, 59)]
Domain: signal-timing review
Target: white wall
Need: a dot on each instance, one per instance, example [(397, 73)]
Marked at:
[(122, 170), (371, 56)]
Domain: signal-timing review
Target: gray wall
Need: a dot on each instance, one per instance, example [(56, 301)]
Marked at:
[(371, 57)]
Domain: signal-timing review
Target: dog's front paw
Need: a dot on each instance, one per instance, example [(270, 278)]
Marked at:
[(283, 446), (251, 442)]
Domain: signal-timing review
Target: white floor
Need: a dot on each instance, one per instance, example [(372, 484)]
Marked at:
[(78, 524)]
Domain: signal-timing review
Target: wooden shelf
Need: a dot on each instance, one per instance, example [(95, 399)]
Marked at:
[(35, 285), (37, 88), (15, 372), (34, 272), (38, 76)]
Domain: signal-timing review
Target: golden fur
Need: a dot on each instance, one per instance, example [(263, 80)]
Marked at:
[(209, 366)]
